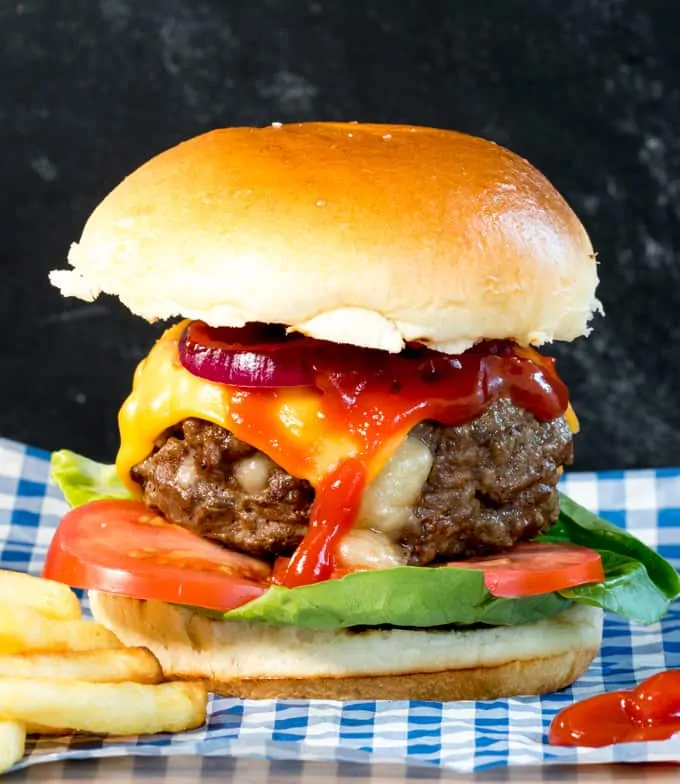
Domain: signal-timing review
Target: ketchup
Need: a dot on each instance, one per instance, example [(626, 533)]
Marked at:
[(651, 711), (368, 400), (335, 508)]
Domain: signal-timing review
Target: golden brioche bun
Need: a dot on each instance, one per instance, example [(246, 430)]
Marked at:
[(251, 659), (365, 234)]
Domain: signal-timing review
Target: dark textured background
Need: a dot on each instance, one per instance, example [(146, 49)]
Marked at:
[(588, 90)]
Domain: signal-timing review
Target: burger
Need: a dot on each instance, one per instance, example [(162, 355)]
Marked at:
[(338, 467)]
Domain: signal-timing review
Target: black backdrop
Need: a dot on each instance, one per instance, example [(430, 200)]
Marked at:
[(588, 90)]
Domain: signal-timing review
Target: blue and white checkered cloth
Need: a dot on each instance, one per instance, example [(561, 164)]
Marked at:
[(466, 736)]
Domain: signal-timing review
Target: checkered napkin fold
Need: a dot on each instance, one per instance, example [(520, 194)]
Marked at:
[(463, 736)]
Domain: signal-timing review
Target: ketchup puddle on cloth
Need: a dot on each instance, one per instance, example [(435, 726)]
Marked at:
[(650, 711)]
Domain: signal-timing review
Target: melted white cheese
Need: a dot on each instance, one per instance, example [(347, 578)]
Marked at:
[(252, 473), (387, 504), (365, 549)]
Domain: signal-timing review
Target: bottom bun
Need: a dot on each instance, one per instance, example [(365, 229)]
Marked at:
[(261, 661)]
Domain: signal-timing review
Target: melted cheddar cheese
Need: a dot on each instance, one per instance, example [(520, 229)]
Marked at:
[(572, 419)]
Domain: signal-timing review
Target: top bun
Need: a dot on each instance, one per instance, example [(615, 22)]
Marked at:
[(366, 234)]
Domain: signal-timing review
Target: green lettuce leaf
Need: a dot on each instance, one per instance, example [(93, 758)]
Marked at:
[(639, 584), (628, 591), (82, 480), (404, 596), (579, 526)]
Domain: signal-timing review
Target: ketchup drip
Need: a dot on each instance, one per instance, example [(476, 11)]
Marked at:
[(369, 400), (333, 513), (651, 711)]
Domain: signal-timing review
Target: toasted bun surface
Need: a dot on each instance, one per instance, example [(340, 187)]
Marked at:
[(249, 659), (365, 234)]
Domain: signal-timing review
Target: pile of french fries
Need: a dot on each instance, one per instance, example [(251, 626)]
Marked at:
[(60, 673)]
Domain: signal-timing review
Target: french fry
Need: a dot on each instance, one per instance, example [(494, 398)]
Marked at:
[(60, 673), (51, 599), (99, 666), (106, 708), (12, 743), (23, 630)]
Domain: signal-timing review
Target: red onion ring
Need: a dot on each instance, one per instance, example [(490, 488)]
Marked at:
[(254, 356)]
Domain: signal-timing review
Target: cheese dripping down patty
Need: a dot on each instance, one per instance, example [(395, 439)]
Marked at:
[(386, 511)]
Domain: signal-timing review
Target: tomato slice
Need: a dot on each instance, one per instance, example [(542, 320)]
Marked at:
[(533, 568), (123, 547)]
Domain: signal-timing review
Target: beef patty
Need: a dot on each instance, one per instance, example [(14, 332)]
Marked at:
[(492, 483)]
